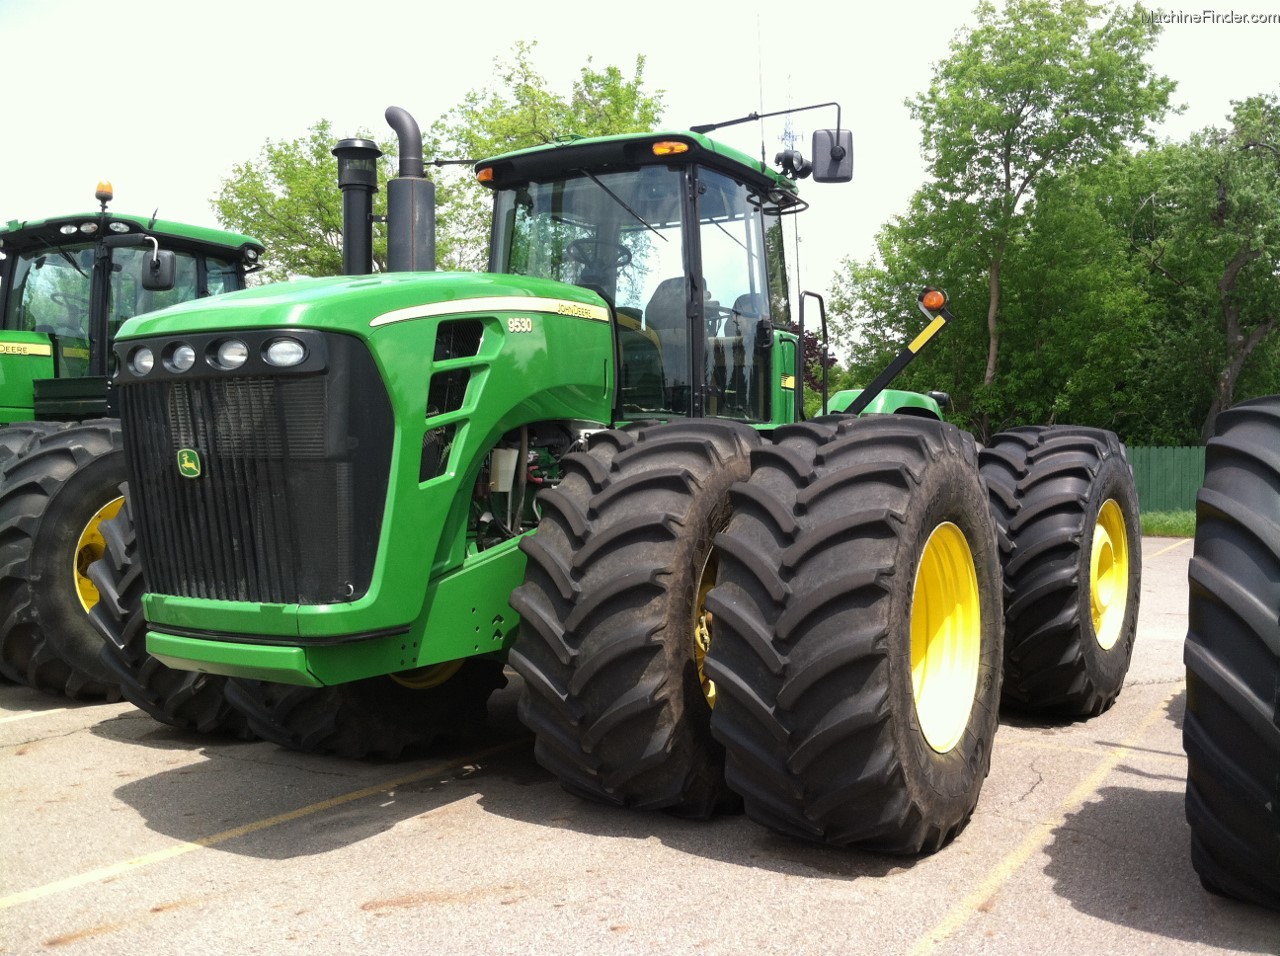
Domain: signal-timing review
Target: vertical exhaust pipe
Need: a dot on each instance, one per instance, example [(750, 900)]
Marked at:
[(411, 202), (358, 180)]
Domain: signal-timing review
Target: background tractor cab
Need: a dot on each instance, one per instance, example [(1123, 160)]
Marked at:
[(67, 283), (66, 286)]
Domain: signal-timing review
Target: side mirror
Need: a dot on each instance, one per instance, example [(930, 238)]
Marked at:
[(159, 271), (832, 155)]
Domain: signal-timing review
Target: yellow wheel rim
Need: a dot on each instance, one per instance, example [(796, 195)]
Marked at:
[(1109, 574), (946, 637), (89, 548), (702, 627), (425, 678)]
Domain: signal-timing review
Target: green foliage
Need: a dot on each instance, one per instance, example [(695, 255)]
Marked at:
[(518, 111), (1209, 233), (1169, 524), (1032, 90), (288, 195)]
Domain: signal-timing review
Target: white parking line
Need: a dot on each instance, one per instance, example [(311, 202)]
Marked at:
[(34, 713)]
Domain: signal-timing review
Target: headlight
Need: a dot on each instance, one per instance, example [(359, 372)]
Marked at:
[(231, 354), (181, 357), (285, 353), (142, 361)]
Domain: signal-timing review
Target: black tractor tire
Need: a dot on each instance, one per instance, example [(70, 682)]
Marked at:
[(17, 438), (1066, 509), (182, 699), (1231, 732), (610, 613), (848, 548), (52, 501), (378, 718)]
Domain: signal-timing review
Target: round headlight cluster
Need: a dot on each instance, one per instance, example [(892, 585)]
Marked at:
[(223, 354)]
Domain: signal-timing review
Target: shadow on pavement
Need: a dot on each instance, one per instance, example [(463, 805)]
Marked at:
[(240, 786), (1124, 857)]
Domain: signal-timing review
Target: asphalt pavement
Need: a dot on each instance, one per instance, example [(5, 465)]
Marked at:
[(121, 835)]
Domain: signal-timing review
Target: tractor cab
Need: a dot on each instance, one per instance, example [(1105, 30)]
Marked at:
[(67, 284), (682, 239)]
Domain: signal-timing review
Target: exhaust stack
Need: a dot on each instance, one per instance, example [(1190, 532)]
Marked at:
[(411, 202)]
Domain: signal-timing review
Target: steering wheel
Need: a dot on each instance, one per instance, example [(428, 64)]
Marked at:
[(72, 303), (713, 315), (598, 255)]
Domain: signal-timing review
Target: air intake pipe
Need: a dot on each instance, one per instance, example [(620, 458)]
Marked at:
[(358, 180), (411, 202)]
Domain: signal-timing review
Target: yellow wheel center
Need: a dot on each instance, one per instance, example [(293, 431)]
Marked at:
[(702, 627), (1109, 574), (946, 637), (89, 548), (425, 678)]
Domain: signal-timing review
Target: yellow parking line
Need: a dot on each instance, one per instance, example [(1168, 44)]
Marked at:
[(998, 875), (1176, 544), (178, 849)]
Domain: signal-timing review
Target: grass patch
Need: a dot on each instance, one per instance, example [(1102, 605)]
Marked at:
[(1169, 524)]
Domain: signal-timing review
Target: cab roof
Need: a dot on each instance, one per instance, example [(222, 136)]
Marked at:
[(21, 234), (635, 149)]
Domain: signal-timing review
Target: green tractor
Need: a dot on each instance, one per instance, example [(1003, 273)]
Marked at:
[(66, 286), (357, 498)]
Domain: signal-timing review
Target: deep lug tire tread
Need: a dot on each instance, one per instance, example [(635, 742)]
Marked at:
[(376, 718), (612, 693), (1046, 486), (183, 699), (46, 638), (1231, 731), (812, 644)]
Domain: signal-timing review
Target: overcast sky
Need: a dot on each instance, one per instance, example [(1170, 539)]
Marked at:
[(163, 98)]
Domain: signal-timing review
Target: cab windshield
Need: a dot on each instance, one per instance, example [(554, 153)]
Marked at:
[(687, 347), (51, 291)]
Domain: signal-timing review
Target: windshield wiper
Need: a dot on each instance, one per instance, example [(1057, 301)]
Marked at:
[(66, 255), (618, 199)]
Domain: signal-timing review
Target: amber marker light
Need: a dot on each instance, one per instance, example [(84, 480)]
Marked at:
[(485, 175), (934, 299), (669, 148)]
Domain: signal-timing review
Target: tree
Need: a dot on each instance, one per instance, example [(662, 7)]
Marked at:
[(519, 111), (288, 197), (1209, 234), (1030, 91)]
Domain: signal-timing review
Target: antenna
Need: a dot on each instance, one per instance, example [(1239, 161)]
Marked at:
[(760, 82)]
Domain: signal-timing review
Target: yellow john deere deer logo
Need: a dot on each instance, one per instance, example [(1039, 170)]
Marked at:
[(189, 463)]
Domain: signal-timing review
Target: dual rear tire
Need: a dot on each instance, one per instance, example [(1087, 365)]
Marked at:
[(851, 684)]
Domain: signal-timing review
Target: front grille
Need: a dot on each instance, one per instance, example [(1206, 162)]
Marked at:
[(294, 469)]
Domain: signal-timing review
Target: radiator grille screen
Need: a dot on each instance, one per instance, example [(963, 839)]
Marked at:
[(294, 469)]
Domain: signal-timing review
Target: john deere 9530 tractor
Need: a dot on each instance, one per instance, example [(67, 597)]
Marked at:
[(357, 497), (66, 285)]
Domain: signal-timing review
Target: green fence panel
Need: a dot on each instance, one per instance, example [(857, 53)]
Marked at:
[(1167, 478)]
